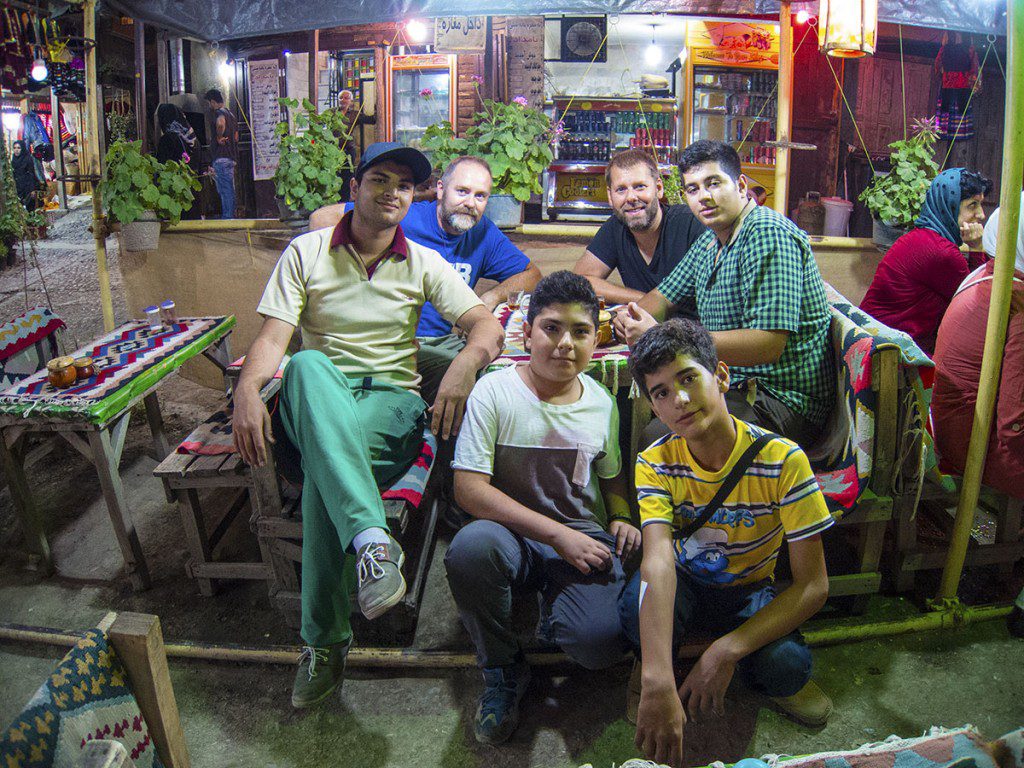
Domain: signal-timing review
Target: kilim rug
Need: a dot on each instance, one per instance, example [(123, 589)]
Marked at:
[(87, 697), (26, 343), (129, 360)]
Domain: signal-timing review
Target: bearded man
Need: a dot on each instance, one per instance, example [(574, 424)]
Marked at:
[(643, 239)]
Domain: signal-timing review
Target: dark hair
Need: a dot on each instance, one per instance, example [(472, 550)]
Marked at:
[(630, 158), (562, 287), (450, 170), (707, 151), (167, 113), (214, 95), (663, 343), (973, 183)]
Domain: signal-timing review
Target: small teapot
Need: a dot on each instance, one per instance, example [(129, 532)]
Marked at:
[(604, 328), (60, 372)]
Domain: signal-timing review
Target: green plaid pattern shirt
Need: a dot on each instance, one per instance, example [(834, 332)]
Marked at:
[(766, 279)]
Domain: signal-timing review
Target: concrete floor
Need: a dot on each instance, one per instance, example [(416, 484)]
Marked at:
[(237, 715)]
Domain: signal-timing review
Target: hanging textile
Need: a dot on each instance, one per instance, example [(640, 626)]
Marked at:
[(13, 62), (957, 66)]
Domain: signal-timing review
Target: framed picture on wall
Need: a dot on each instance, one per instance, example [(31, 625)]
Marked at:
[(583, 38)]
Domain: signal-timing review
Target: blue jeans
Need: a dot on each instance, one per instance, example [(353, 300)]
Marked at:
[(224, 178), (780, 668), (487, 563)]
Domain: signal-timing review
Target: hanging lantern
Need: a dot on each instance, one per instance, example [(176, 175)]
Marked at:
[(848, 28)]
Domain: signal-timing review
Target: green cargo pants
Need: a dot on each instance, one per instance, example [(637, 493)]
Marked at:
[(355, 437)]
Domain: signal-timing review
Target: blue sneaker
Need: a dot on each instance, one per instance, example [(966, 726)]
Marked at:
[(498, 713)]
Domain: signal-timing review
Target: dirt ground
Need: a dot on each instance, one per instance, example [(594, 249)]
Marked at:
[(240, 715)]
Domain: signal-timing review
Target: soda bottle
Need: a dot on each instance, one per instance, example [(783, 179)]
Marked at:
[(1015, 621)]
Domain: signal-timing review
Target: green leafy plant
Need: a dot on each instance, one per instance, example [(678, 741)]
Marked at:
[(134, 182), (313, 157), (13, 216), (896, 198), (673, 187), (513, 138)]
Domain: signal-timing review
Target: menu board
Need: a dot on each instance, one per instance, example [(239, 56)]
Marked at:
[(264, 115), (526, 58)]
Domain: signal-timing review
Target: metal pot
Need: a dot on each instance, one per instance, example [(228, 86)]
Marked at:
[(142, 234), (504, 210), (883, 235)]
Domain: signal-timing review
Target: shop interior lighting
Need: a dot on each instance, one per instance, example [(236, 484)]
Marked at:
[(652, 54), (39, 70), (226, 70), (802, 17), (848, 28), (12, 121), (416, 30)]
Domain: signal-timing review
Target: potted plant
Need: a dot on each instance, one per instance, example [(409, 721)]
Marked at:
[(895, 199), (514, 139), (312, 159), (140, 192), (13, 216)]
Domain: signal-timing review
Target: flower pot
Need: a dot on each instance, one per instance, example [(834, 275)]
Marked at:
[(504, 210), (290, 216), (142, 234), (883, 235)]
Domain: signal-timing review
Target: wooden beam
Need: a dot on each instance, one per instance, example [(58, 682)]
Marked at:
[(139, 644), (141, 113), (314, 54), (784, 115)]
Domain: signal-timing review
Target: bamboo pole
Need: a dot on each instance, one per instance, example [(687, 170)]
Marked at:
[(784, 115), (93, 114), (399, 658), (58, 150), (999, 308)]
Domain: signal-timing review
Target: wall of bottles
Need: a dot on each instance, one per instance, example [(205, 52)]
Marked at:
[(739, 107), (594, 135)]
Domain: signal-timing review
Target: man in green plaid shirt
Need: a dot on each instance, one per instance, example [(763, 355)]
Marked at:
[(759, 292)]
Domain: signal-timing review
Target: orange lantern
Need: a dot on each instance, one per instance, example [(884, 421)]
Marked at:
[(848, 28)]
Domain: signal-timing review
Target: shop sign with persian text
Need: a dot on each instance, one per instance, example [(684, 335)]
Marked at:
[(460, 34)]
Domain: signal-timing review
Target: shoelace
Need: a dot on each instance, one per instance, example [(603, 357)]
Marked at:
[(369, 565), (313, 655), (496, 697)]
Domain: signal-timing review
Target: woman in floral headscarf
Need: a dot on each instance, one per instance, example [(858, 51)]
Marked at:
[(958, 352), (919, 274)]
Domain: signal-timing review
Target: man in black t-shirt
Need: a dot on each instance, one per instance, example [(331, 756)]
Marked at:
[(223, 151), (643, 239)]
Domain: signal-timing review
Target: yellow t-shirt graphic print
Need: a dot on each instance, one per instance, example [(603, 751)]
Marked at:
[(777, 497)]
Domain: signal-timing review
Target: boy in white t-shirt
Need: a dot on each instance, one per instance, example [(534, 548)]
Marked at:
[(538, 464)]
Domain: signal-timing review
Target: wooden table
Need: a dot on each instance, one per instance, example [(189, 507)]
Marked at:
[(133, 361)]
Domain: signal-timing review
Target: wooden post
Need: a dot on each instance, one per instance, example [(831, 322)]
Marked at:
[(999, 309), (139, 645), (94, 169), (58, 149), (163, 74), (784, 115), (314, 75), (141, 113)]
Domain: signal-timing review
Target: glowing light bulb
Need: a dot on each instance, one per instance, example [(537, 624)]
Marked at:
[(652, 55), (226, 70), (416, 30), (12, 121), (802, 17), (39, 70)]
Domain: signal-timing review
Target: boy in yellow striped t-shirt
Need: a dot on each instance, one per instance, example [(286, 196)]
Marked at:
[(719, 579)]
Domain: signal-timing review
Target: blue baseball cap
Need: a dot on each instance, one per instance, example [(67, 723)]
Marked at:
[(381, 151)]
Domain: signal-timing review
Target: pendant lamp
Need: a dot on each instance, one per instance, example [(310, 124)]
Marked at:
[(848, 28)]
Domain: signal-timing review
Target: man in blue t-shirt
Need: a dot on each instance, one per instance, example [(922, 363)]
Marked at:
[(454, 226)]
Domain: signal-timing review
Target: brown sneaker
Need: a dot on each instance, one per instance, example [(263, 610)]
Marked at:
[(810, 705), (633, 692)]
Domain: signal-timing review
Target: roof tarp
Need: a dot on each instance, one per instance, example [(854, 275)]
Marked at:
[(217, 20)]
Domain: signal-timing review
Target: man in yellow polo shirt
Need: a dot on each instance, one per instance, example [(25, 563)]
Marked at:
[(350, 400)]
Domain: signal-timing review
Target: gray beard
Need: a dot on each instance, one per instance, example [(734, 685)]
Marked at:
[(459, 222)]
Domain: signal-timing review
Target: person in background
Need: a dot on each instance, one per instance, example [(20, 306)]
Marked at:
[(919, 274), (178, 142), (26, 180), (958, 352), (454, 226), (538, 464), (758, 290), (643, 238), (350, 405), (718, 579), (224, 151)]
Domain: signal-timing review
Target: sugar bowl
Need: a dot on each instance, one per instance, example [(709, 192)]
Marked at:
[(61, 373)]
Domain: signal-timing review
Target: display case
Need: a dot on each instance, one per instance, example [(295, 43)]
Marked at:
[(420, 93), (731, 94), (593, 130)]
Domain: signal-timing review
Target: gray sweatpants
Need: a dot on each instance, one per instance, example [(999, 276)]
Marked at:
[(487, 563)]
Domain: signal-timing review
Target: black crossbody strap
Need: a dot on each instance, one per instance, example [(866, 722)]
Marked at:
[(726, 487)]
